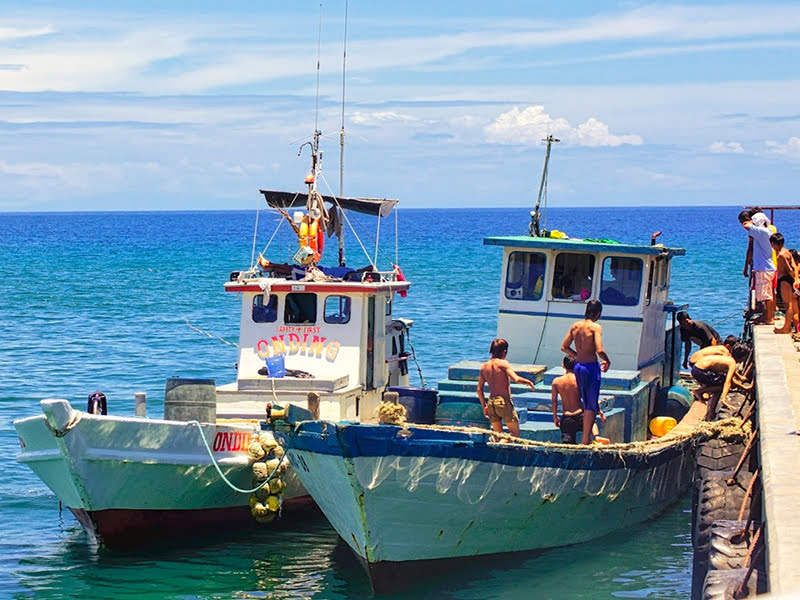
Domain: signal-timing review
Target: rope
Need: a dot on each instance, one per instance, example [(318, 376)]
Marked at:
[(753, 553), (414, 356), (728, 318), (363, 231), (745, 454), (59, 433), (377, 241), (222, 475), (541, 334), (748, 493), (277, 228), (255, 234), (212, 336), (724, 429)]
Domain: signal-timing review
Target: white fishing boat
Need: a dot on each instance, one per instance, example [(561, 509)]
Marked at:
[(408, 497), (319, 338)]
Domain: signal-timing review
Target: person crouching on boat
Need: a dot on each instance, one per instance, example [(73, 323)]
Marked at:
[(714, 368), (588, 337), (497, 372), (571, 420)]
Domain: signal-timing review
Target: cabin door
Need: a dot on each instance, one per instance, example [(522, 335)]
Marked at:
[(370, 382)]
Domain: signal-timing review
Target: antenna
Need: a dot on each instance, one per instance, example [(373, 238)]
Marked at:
[(319, 50), (534, 228), (341, 132)]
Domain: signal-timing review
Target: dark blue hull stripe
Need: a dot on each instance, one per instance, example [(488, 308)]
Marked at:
[(362, 440), (536, 313)]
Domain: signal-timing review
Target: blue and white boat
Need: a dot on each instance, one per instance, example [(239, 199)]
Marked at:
[(411, 496)]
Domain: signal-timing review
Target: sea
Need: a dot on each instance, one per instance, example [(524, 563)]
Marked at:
[(120, 301)]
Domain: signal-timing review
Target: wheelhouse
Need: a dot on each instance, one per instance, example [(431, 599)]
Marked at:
[(546, 283)]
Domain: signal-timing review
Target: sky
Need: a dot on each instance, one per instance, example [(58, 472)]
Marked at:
[(174, 105)]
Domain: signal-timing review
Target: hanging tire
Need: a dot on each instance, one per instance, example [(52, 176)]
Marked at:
[(713, 456), (728, 547), (716, 501), (721, 585), (730, 406)]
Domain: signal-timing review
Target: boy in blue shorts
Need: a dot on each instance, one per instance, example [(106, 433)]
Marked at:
[(587, 336)]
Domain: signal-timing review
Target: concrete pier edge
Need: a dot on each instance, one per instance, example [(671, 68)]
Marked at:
[(778, 393)]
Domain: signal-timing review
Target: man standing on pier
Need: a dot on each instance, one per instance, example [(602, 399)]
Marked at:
[(587, 335), (763, 265)]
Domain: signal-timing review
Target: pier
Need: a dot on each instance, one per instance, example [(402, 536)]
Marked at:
[(777, 364)]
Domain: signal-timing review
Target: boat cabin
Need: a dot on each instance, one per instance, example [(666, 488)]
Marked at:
[(546, 282), (336, 338)]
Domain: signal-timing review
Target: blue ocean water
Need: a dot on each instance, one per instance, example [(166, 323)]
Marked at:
[(104, 301)]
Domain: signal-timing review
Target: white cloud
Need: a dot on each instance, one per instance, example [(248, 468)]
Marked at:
[(380, 118), (790, 150), (531, 125), (726, 148), (123, 51), (13, 33)]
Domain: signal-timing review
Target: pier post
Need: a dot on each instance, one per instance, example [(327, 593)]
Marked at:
[(140, 404)]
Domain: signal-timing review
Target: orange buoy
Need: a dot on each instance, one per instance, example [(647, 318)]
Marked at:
[(661, 425), (303, 235)]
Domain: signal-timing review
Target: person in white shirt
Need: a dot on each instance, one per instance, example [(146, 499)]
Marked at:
[(763, 266)]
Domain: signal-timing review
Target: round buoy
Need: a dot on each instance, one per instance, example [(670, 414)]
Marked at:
[(661, 425)]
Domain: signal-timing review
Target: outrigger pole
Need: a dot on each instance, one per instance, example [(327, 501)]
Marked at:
[(534, 228)]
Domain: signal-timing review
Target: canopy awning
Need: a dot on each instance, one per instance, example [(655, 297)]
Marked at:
[(368, 206)]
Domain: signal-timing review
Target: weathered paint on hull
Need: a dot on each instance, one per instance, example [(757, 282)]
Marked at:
[(127, 479), (406, 506)]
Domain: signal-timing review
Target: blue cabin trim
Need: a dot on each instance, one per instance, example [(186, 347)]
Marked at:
[(524, 241), (538, 313)]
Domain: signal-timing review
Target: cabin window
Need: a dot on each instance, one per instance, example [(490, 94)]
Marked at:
[(664, 271), (572, 277), (300, 307), (389, 305), (622, 281), (525, 275), (265, 313), (650, 279), (337, 309)]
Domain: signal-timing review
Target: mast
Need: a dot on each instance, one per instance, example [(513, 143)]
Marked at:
[(341, 136), (534, 228)]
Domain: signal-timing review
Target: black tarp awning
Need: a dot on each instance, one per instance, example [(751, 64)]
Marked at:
[(367, 206)]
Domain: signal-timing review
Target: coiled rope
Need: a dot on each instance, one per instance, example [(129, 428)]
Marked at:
[(222, 475)]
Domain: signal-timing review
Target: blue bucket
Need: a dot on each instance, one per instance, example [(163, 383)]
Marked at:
[(420, 404), (276, 367)]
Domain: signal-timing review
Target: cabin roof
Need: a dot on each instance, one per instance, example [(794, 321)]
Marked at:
[(338, 287), (577, 245)]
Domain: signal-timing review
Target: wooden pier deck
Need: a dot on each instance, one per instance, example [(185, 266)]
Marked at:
[(778, 389)]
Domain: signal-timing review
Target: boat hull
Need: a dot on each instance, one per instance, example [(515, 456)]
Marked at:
[(131, 480), (401, 497)]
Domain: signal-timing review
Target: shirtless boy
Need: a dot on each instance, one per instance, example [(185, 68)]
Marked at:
[(497, 372), (714, 368), (566, 386), (788, 281), (587, 335)]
